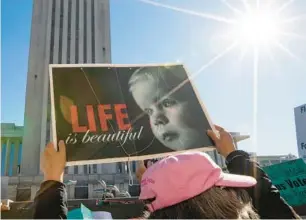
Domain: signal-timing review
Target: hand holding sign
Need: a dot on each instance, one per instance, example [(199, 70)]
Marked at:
[(53, 162), (224, 141)]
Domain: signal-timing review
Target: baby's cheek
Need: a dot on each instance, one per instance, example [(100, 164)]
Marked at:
[(153, 127), (179, 111), (185, 114)]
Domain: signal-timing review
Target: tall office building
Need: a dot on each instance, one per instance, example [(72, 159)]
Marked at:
[(63, 31)]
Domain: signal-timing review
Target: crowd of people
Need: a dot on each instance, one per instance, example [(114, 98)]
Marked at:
[(188, 185)]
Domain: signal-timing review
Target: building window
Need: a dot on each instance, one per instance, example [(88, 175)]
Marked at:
[(61, 32), (134, 166), (94, 168), (93, 49), (52, 32), (77, 30), (119, 167), (85, 169), (85, 33), (66, 170), (76, 170), (69, 31)]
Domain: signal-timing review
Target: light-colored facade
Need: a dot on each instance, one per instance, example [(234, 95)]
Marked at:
[(271, 159), (300, 125), (63, 31), (11, 148)]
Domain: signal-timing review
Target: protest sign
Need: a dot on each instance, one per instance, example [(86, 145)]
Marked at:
[(111, 113), (290, 179)]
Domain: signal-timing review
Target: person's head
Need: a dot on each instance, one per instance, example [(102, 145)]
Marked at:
[(191, 185), (149, 162), (167, 97)]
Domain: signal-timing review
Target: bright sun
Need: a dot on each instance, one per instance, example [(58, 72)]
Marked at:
[(256, 28), (259, 26)]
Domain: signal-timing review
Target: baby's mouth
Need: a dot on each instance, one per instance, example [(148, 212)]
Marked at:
[(169, 136)]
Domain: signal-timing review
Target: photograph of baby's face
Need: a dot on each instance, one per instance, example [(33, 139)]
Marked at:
[(171, 114)]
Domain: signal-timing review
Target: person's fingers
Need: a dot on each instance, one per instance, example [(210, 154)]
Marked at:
[(47, 151), (213, 136), (62, 147), (50, 144), (50, 148), (219, 128)]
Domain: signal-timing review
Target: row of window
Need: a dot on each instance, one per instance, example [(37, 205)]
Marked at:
[(76, 28), (122, 167), (87, 169)]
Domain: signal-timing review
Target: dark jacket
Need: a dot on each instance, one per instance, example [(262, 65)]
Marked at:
[(265, 196), (51, 200)]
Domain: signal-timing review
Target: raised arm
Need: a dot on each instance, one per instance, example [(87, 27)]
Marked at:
[(51, 199), (265, 196)]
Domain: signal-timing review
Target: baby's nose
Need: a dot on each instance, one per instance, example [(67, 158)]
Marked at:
[(160, 119)]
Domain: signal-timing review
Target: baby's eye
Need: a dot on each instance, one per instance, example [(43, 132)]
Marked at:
[(148, 111), (168, 103)]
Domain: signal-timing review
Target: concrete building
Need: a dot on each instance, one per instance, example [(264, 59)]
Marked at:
[(63, 31)]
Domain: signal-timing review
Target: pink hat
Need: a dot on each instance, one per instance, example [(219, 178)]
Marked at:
[(181, 177)]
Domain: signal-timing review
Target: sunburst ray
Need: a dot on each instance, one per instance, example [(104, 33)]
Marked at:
[(286, 50), (255, 96), (186, 11), (232, 8)]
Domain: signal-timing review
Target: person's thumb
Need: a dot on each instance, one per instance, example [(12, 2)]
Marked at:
[(213, 136)]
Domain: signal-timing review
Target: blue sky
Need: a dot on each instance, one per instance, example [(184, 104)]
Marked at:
[(143, 33)]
